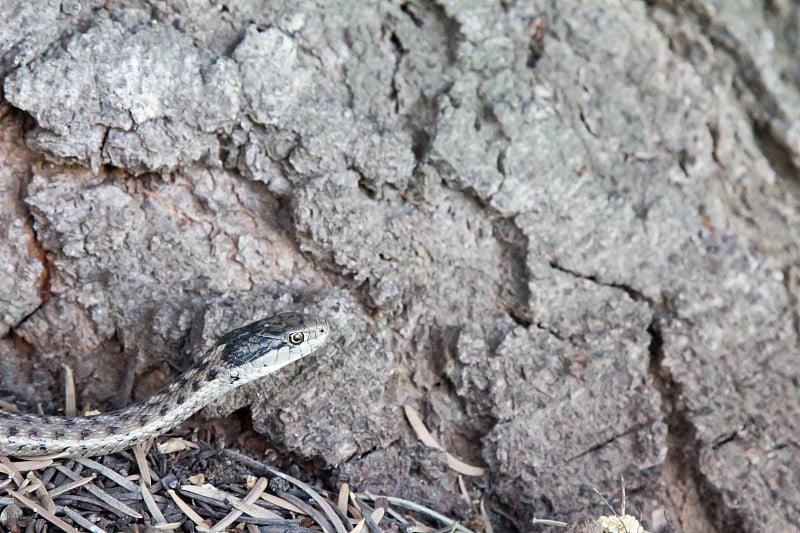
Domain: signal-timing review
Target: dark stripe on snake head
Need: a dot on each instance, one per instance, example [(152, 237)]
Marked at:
[(249, 342)]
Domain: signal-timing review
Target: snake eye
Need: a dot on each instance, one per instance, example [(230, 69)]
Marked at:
[(296, 338)]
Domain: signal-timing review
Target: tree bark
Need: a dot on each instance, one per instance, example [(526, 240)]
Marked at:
[(566, 232)]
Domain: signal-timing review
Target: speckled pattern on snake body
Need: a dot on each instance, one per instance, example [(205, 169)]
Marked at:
[(238, 357)]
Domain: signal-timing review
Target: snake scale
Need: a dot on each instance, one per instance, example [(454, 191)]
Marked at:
[(238, 357)]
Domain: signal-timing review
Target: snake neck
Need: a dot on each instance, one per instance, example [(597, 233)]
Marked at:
[(31, 435), (178, 401)]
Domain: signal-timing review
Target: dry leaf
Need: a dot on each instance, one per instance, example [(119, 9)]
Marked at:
[(427, 439), (175, 444)]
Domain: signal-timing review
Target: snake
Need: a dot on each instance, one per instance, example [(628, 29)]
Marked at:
[(238, 357)]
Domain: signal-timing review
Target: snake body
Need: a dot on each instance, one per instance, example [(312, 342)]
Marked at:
[(238, 357)]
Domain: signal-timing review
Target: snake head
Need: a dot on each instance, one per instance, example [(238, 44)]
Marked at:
[(264, 346)]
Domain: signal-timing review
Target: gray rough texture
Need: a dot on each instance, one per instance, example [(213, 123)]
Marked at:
[(566, 232)]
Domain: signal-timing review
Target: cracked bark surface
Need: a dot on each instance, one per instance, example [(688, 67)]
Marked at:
[(565, 232)]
